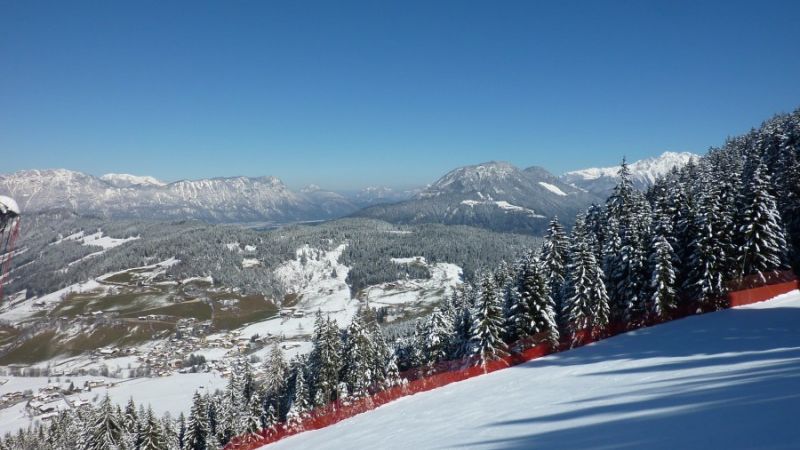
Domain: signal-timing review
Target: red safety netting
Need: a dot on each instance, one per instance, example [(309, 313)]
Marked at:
[(441, 374)]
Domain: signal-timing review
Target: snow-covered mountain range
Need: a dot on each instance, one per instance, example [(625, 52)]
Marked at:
[(644, 172), (494, 195), (235, 199)]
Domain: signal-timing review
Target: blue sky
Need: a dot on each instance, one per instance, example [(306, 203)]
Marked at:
[(347, 94)]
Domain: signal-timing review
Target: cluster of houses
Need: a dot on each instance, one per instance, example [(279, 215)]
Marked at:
[(49, 400)]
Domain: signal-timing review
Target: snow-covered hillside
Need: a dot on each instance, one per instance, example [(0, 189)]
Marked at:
[(723, 380)]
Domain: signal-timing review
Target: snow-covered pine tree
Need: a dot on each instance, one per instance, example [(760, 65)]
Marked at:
[(596, 226), (106, 432), (789, 200), (511, 300), (151, 436), (629, 303), (231, 409), (382, 358), (325, 360), (358, 353), (585, 300), (130, 420), (519, 315), (170, 428), (270, 420), (253, 421), (462, 322), (705, 281), (554, 258), (487, 327), (535, 312), (437, 333), (180, 434), (625, 256), (247, 383), (197, 433), (301, 406), (663, 294), (764, 243), (275, 387)]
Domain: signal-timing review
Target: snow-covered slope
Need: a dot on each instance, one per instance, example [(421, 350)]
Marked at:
[(644, 172), (723, 380)]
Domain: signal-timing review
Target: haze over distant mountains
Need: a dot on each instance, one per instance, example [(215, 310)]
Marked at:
[(494, 195)]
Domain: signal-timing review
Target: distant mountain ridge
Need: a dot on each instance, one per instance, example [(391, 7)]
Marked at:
[(494, 195), (499, 196), (644, 172), (233, 199)]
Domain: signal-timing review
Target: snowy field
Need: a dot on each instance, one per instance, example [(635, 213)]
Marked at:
[(724, 380), (173, 393)]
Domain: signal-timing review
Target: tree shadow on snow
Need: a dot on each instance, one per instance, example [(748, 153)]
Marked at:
[(754, 405)]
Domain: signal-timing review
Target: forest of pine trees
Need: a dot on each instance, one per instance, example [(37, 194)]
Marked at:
[(733, 214)]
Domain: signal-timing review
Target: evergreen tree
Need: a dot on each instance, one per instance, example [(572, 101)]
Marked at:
[(106, 432), (275, 385), (436, 338), (764, 242), (585, 301), (358, 353), (554, 259), (325, 360), (197, 432), (487, 328), (707, 258), (253, 421), (535, 312), (181, 432), (151, 434), (130, 420), (664, 297), (300, 408)]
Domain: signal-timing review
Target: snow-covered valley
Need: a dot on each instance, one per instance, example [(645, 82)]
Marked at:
[(143, 299)]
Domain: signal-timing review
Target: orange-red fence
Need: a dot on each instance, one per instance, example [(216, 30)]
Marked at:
[(441, 374)]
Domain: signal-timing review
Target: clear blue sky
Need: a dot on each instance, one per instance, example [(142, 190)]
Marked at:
[(346, 94)]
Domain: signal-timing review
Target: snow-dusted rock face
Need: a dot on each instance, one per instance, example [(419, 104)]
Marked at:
[(644, 172), (235, 199)]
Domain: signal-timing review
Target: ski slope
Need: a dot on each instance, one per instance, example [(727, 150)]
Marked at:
[(729, 380)]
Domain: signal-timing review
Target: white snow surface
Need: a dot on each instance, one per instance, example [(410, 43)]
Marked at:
[(9, 203), (552, 188), (502, 204), (723, 380)]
